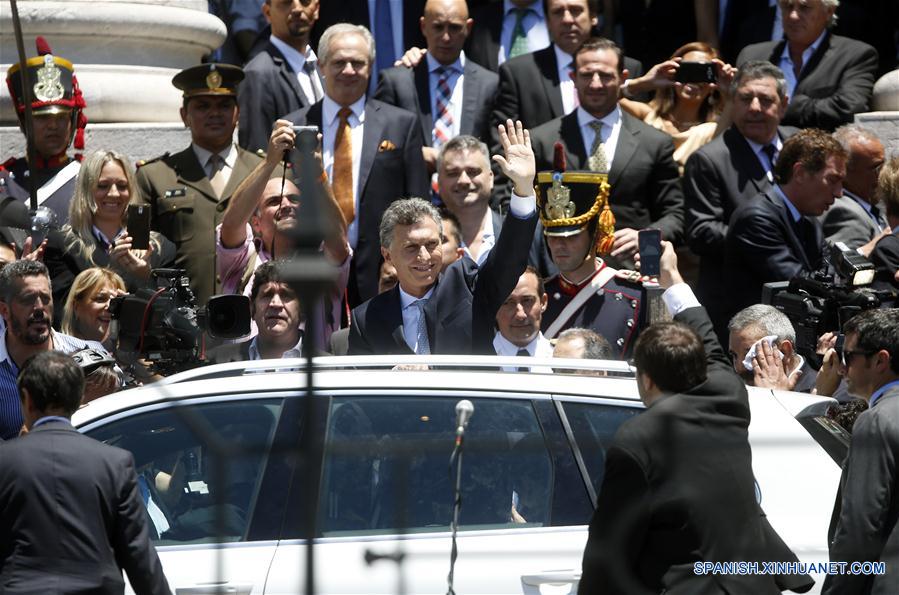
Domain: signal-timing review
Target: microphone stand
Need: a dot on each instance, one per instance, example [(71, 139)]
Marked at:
[(455, 458)]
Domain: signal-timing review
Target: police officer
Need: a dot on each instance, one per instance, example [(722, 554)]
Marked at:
[(586, 293), (56, 107), (189, 191)]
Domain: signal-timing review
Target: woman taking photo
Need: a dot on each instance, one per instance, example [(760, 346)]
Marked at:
[(96, 235)]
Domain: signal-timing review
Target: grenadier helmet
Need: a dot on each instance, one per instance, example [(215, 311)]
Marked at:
[(54, 89), (573, 201)]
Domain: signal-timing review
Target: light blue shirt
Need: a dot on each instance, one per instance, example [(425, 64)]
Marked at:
[(879, 392), (794, 212), (534, 24), (786, 62)]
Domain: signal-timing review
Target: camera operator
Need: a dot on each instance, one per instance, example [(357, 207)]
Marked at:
[(777, 236), (773, 364), (253, 229), (275, 308), (864, 526), (678, 485)]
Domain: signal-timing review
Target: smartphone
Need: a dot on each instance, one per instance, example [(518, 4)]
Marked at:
[(650, 247), (696, 72), (139, 226)]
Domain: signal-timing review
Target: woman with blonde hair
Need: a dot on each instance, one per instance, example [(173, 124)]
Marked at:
[(86, 311), (692, 113), (885, 254), (96, 235)]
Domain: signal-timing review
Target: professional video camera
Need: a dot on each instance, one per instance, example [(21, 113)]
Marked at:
[(824, 302), (166, 328)]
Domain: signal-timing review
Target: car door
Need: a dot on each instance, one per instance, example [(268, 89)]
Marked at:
[(212, 474), (386, 498)]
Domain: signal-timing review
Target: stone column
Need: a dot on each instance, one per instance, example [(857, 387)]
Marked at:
[(883, 119)]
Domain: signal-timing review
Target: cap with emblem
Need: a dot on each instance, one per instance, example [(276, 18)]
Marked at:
[(209, 79), (54, 89), (573, 201)]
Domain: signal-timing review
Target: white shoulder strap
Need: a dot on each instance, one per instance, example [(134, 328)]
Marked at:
[(58, 181), (586, 292)]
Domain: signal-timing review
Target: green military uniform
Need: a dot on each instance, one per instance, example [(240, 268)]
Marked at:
[(186, 210)]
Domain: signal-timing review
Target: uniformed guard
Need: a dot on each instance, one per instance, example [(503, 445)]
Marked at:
[(189, 191), (57, 107), (578, 224)]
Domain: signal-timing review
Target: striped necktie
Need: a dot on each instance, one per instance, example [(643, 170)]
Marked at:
[(443, 120)]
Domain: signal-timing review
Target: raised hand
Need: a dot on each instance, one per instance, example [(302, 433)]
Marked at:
[(517, 161)]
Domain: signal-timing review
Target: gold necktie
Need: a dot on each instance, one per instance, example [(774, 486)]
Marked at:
[(342, 170), (597, 160), (217, 169)]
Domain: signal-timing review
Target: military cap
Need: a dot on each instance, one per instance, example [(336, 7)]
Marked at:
[(54, 88), (209, 79)]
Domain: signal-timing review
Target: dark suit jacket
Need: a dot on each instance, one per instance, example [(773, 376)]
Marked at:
[(885, 257), (229, 352), (718, 178), (384, 176), (356, 12), (834, 85), (646, 187), (269, 90), (185, 209), (867, 509), (762, 246), (72, 518), (483, 42), (668, 474), (461, 312), (410, 89)]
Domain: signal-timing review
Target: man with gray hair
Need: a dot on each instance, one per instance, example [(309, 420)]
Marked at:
[(759, 323), (582, 343), (731, 170), (371, 151), (855, 219), (452, 313), (829, 77)]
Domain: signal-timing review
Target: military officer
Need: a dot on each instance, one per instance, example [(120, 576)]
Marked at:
[(189, 191), (586, 293), (57, 109)]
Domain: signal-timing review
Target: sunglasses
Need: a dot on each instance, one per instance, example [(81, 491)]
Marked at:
[(846, 356)]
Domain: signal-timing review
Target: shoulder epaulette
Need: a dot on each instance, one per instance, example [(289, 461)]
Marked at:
[(144, 162), (630, 276), (260, 153)]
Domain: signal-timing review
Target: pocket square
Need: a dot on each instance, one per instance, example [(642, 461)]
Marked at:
[(386, 145)]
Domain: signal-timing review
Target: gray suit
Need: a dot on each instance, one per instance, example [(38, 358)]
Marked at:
[(847, 221), (867, 508)]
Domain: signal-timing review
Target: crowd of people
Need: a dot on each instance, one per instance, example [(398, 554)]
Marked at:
[(482, 176)]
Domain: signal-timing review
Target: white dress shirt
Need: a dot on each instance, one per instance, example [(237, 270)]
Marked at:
[(229, 155), (534, 25), (455, 80), (330, 122), (410, 317), (297, 61), (565, 64), (488, 240), (295, 351), (538, 347), (611, 127)]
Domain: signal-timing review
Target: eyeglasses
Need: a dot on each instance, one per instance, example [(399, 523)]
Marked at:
[(846, 356)]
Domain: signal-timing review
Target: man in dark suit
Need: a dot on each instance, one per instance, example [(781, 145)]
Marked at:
[(451, 94), (865, 526), (454, 312), (829, 78), (855, 218), (776, 236), (492, 39), (669, 471), (371, 150), (646, 189), (282, 77), (731, 170), (188, 191), (71, 515)]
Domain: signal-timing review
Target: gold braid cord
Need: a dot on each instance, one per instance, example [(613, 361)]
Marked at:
[(601, 202)]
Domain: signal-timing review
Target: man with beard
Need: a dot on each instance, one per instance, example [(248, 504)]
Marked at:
[(26, 304), (283, 77), (253, 229)]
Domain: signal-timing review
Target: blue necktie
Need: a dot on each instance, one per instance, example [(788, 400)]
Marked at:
[(422, 344), (384, 52)]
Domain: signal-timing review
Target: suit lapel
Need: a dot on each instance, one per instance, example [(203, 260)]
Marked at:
[(191, 173), (814, 59), (423, 98), (576, 153), (743, 154), (371, 137), (287, 75), (393, 319), (795, 240), (549, 68), (625, 149), (470, 98), (243, 165)]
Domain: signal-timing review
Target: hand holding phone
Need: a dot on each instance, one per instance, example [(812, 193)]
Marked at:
[(696, 72), (139, 226), (650, 248)]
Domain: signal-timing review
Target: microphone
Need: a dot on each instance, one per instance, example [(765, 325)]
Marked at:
[(464, 411)]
